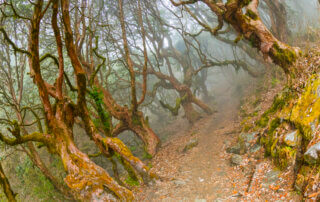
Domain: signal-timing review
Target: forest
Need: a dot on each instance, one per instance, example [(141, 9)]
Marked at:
[(160, 100)]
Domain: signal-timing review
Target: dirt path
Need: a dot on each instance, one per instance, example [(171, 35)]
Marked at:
[(204, 173)]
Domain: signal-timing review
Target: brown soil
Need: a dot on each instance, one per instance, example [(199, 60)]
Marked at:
[(205, 173)]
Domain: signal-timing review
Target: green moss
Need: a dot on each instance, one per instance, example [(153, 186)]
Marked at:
[(239, 38), (146, 155), (174, 110), (284, 156), (274, 124), (133, 148), (274, 82), (251, 14), (307, 109), (254, 40), (105, 119), (264, 120), (246, 127), (278, 103), (256, 102), (273, 148), (283, 56), (136, 120), (244, 3), (269, 141), (147, 121), (131, 182)]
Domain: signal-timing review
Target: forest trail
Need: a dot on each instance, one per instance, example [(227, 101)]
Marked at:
[(205, 172)]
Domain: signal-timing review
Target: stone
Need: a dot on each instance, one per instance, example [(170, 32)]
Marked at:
[(234, 149), (291, 139), (312, 154), (280, 191), (255, 148), (200, 200), (192, 143), (248, 137), (313, 127), (239, 148), (179, 182), (222, 173), (270, 178), (236, 159)]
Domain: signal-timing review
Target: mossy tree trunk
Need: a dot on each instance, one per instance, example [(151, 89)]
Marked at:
[(6, 186), (129, 120), (191, 114), (188, 99), (87, 180)]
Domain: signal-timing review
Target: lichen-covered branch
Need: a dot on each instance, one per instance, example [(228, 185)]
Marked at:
[(6, 186), (13, 45), (35, 137), (174, 110)]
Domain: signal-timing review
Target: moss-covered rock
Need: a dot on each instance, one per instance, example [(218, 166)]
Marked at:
[(192, 143), (306, 111), (286, 157), (290, 130)]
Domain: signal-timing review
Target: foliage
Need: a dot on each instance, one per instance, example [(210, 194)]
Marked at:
[(34, 184)]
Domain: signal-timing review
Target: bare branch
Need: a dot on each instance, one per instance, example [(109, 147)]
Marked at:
[(183, 2), (14, 46)]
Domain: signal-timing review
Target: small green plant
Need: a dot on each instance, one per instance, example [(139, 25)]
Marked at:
[(146, 155), (133, 148)]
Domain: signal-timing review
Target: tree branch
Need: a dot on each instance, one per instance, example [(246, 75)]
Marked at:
[(183, 2), (36, 136), (14, 46)]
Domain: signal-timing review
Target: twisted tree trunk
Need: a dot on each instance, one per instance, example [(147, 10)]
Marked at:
[(191, 114), (130, 120)]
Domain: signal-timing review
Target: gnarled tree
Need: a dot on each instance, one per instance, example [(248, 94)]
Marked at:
[(244, 17), (86, 180)]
